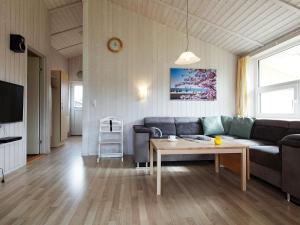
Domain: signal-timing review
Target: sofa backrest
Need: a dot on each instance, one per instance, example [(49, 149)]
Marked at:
[(188, 126), (294, 127), (269, 130), (165, 124)]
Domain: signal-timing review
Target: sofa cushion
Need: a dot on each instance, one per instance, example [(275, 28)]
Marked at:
[(212, 125), (159, 120), (228, 137), (270, 130), (253, 142), (165, 124), (188, 126), (268, 156), (226, 122), (241, 127), (186, 120)]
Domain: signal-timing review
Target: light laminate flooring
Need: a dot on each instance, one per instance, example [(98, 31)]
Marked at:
[(64, 188)]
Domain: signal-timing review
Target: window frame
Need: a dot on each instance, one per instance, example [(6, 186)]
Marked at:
[(275, 87)]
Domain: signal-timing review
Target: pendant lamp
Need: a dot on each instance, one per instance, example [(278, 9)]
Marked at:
[(187, 57)]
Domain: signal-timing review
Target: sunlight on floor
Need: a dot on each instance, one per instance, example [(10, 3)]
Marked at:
[(76, 177), (182, 169)]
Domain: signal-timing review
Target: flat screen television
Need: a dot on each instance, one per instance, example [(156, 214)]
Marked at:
[(11, 102)]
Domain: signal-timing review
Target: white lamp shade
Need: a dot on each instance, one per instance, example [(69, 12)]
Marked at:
[(187, 58)]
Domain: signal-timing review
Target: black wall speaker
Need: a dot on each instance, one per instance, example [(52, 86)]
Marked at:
[(17, 43)]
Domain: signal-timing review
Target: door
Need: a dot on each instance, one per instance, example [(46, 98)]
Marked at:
[(76, 108), (33, 106), (65, 109), (56, 107), (60, 108)]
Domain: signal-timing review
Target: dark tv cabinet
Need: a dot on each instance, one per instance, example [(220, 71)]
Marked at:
[(5, 140)]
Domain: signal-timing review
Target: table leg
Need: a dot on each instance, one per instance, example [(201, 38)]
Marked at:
[(151, 159), (217, 163), (248, 164), (244, 169), (158, 172)]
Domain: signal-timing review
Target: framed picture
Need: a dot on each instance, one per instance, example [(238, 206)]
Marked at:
[(193, 84)]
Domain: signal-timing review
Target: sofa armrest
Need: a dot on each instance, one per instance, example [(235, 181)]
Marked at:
[(141, 143), (291, 166), (292, 140), (141, 129)]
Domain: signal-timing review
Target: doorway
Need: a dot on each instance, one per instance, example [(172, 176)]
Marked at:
[(34, 79), (60, 108), (76, 108)]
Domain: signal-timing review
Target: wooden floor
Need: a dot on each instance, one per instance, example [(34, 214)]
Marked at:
[(64, 188), (31, 158)]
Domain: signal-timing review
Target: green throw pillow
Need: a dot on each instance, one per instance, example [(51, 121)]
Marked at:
[(241, 127), (212, 125), (226, 122)]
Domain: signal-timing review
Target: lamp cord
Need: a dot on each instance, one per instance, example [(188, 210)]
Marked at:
[(187, 25)]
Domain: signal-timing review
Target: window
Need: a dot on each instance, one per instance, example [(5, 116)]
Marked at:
[(278, 84), (77, 93), (284, 101)]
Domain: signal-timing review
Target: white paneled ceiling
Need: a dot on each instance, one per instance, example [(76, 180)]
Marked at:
[(66, 26), (72, 51), (239, 26), (294, 2)]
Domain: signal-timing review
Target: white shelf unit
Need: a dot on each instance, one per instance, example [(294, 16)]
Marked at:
[(110, 133)]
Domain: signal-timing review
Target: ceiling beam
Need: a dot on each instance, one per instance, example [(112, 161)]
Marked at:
[(209, 23), (66, 30), (286, 39), (53, 10), (69, 46), (287, 5)]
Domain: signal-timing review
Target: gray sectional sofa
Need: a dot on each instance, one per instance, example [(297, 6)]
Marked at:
[(274, 147)]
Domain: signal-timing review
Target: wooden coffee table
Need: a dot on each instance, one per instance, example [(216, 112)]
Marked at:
[(184, 146)]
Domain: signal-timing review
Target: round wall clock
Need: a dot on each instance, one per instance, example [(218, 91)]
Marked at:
[(114, 44)]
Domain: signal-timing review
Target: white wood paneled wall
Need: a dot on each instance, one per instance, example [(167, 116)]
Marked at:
[(111, 80), (30, 19), (75, 65), (57, 61)]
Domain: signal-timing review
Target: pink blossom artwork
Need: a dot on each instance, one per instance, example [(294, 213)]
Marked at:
[(193, 84)]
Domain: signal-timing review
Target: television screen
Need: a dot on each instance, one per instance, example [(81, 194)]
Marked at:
[(11, 102)]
